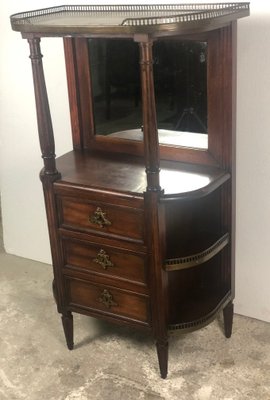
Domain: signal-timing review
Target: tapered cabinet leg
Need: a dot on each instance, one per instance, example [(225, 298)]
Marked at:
[(67, 321), (162, 352), (54, 291), (228, 319)]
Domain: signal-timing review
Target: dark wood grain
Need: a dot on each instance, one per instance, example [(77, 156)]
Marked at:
[(126, 265), (126, 174), (124, 221), (45, 129), (150, 132), (125, 304)]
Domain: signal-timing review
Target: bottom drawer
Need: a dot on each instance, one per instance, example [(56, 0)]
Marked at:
[(107, 300)]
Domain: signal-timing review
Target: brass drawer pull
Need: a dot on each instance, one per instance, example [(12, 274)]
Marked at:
[(99, 218), (106, 298), (103, 259)]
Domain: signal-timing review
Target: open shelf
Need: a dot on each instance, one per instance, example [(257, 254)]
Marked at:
[(197, 294), (126, 173), (210, 305), (174, 264)]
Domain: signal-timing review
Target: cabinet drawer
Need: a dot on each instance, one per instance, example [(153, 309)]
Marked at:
[(104, 260), (106, 300), (102, 218)]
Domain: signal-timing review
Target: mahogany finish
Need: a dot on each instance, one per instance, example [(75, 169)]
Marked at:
[(141, 234)]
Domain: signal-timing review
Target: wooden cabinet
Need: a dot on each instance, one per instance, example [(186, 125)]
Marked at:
[(141, 212)]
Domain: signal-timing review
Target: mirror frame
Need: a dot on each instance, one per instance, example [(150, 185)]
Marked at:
[(220, 102)]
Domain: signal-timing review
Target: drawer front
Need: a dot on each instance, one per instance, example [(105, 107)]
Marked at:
[(102, 218), (105, 260), (107, 300)]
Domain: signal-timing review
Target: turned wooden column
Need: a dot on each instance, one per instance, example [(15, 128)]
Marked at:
[(154, 210), (150, 131), (49, 173), (45, 128)]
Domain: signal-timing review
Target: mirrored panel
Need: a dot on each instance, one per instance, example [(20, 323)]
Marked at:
[(180, 78), (115, 76)]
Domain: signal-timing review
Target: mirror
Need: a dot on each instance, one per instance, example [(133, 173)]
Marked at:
[(180, 79)]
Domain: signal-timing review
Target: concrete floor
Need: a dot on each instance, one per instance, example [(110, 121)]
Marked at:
[(111, 363)]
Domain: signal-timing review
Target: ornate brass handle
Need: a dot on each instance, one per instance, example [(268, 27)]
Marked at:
[(103, 259), (99, 218), (106, 298)]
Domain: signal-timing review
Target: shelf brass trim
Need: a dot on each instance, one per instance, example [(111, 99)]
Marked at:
[(175, 264), (127, 19), (205, 320)]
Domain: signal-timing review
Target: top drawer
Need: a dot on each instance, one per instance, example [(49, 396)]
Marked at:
[(101, 218)]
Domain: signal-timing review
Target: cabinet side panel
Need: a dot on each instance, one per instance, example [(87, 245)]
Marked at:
[(79, 87), (71, 72), (85, 90), (221, 94)]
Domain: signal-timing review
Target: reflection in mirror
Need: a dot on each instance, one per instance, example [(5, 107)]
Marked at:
[(115, 76), (180, 78)]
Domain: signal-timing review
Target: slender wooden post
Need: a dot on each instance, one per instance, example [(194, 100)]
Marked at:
[(67, 321), (155, 220), (151, 143), (154, 210), (228, 319), (45, 129), (49, 173)]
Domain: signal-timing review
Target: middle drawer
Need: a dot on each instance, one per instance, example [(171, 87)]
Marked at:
[(105, 260)]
